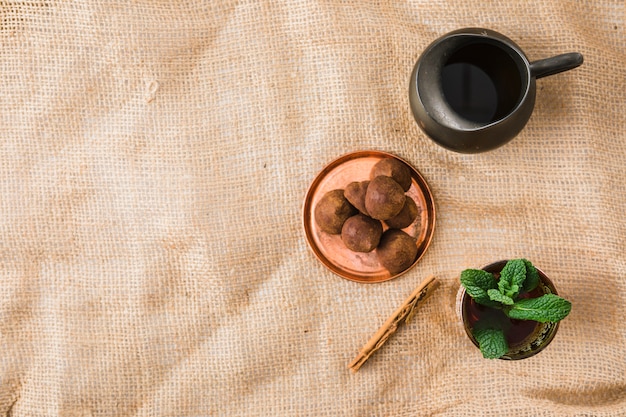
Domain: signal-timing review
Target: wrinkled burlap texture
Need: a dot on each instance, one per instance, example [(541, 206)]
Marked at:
[(154, 160)]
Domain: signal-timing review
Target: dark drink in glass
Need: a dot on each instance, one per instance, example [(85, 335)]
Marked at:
[(525, 337)]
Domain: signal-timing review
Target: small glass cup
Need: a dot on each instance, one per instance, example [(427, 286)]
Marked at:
[(526, 338)]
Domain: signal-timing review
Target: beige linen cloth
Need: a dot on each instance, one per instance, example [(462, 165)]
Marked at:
[(154, 158)]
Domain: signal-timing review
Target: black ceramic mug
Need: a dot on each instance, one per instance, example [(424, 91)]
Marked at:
[(473, 90)]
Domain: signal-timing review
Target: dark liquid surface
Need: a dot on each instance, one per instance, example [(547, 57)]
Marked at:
[(470, 91)]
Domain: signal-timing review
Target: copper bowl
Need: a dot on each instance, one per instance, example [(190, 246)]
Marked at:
[(330, 250)]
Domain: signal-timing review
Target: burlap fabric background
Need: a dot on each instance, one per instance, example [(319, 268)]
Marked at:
[(154, 157)]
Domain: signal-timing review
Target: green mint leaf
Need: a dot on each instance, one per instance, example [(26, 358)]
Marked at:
[(496, 295), (478, 278), (547, 308), (477, 282), (491, 341), (512, 277), (532, 276)]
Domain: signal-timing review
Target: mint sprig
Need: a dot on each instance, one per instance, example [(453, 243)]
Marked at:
[(532, 277), (497, 296), (492, 342), (477, 284), (547, 308), (517, 277), (490, 335), (512, 278)]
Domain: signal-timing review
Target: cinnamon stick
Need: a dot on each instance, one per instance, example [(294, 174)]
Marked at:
[(404, 313)]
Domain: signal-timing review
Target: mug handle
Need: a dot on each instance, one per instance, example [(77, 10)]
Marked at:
[(555, 64)]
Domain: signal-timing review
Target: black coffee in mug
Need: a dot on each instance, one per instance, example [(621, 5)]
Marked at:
[(470, 91), (481, 82), (473, 90)]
